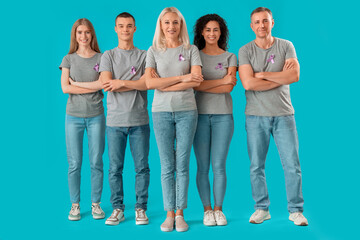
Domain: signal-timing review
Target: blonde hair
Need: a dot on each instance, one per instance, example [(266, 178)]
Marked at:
[(159, 41), (74, 44)]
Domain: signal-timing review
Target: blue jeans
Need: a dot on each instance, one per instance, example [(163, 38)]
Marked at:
[(74, 131), (174, 133), (212, 141), (285, 135), (139, 147)]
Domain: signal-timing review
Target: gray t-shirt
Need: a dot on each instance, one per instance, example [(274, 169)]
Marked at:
[(125, 109), (169, 63), (215, 67), (274, 102), (83, 70)]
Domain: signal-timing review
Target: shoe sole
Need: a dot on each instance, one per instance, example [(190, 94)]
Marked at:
[(166, 229), (210, 224), (221, 224), (74, 218), (98, 217), (182, 229), (300, 224), (142, 222), (110, 223), (266, 218)]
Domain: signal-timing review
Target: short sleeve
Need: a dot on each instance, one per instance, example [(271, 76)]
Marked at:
[(105, 62), (150, 59), (233, 61), (243, 56), (65, 62), (290, 51), (195, 56)]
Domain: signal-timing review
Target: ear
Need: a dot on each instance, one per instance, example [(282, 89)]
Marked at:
[(273, 22), (134, 28)]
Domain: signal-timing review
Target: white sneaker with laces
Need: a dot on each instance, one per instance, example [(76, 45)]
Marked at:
[(140, 217), (259, 216), (96, 211), (74, 214), (209, 218), (220, 218), (116, 217), (298, 219)]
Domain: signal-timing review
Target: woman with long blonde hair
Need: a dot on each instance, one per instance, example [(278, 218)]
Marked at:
[(84, 111), (173, 68)]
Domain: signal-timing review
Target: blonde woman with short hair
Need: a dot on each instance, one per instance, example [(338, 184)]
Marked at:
[(173, 68)]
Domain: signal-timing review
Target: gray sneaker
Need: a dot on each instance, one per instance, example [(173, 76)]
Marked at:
[(167, 225), (96, 211), (140, 217), (74, 214), (116, 217)]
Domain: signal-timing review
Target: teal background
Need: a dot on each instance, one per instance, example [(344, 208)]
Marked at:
[(34, 200)]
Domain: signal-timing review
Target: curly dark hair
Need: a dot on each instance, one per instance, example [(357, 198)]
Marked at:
[(199, 40)]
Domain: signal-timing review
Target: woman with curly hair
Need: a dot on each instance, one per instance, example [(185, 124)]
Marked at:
[(215, 120)]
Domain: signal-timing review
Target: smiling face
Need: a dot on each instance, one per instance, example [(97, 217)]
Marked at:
[(83, 36), (211, 32), (171, 25), (262, 24), (125, 28)]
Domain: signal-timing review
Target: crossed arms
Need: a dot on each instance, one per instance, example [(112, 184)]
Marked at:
[(263, 81)]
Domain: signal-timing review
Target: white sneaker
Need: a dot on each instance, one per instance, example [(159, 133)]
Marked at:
[(259, 216), (116, 217), (220, 218), (96, 211), (209, 218), (140, 217), (298, 219), (74, 213)]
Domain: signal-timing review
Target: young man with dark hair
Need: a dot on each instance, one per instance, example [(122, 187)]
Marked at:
[(121, 70)]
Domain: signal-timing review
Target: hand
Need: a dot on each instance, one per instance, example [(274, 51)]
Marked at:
[(113, 85), (154, 74), (72, 82), (288, 65), (192, 77), (259, 75), (230, 79)]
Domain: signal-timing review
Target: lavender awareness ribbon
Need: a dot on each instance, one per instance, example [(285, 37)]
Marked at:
[(271, 58), (96, 67), (133, 70), (219, 66), (181, 57)]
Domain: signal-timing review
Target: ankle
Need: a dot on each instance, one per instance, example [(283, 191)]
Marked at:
[(207, 208), (170, 214)]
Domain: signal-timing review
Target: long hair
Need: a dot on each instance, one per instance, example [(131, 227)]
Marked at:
[(199, 40), (74, 44), (159, 41)]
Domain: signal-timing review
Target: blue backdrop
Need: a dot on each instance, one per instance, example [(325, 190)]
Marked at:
[(34, 198)]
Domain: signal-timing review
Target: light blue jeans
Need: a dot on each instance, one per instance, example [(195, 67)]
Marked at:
[(74, 131), (211, 143), (174, 133), (285, 135), (139, 147)]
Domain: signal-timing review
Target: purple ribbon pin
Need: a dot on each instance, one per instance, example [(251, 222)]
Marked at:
[(133, 70), (219, 66), (96, 67), (181, 57), (271, 58)]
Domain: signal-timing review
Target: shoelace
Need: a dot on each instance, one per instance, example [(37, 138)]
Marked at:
[(141, 213), (220, 215), (74, 208), (208, 214), (297, 215), (96, 208), (115, 213)]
